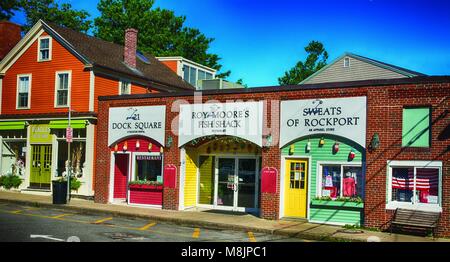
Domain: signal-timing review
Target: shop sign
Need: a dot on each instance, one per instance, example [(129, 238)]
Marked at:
[(147, 158), (345, 117), (148, 121), (40, 134), (240, 119)]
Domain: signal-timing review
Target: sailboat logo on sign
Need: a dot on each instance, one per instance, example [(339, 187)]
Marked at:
[(133, 115)]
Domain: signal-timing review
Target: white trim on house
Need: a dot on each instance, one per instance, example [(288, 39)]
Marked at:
[(111, 174), (50, 49), (1, 90), (92, 91), (29, 91), (392, 205), (282, 182), (183, 60), (182, 178), (346, 62), (69, 89)]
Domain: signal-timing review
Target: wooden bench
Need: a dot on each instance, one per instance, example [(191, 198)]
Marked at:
[(415, 219)]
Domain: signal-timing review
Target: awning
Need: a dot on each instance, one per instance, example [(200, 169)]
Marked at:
[(17, 125), (63, 124)]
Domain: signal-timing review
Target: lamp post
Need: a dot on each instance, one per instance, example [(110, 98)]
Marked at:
[(69, 168)]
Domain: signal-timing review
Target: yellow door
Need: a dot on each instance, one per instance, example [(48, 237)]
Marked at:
[(296, 185)]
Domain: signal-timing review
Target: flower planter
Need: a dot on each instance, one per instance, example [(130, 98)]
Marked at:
[(337, 203), (146, 194)]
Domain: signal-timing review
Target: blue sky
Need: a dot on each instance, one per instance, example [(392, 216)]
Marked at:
[(259, 40)]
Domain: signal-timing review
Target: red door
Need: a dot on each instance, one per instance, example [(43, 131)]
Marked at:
[(120, 176)]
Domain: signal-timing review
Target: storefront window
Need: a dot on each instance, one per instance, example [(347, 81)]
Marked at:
[(148, 168), (13, 157), (415, 185), (341, 181), (78, 154)]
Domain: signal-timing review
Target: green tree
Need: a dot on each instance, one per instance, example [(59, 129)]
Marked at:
[(161, 32), (316, 59), (7, 8), (49, 10)]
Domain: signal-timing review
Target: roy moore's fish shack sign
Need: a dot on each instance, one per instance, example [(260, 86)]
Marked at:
[(147, 121), (344, 117), (239, 119)]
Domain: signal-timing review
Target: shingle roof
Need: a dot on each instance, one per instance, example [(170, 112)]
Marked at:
[(109, 55)]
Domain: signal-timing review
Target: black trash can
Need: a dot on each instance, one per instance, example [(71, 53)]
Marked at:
[(59, 192)]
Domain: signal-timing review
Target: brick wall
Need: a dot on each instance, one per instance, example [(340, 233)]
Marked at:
[(384, 117)]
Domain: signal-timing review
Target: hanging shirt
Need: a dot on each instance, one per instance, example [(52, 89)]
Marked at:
[(349, 187)]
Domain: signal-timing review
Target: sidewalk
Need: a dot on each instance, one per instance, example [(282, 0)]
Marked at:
[(244, 222)]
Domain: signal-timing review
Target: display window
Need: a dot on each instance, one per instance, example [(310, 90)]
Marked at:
[(148, 168), (340, 181)]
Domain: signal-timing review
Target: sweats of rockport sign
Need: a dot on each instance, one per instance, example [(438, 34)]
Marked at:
[(240, 119), (147, 121), (344, 117)]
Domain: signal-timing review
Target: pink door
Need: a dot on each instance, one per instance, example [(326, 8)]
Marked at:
[(121, 176)]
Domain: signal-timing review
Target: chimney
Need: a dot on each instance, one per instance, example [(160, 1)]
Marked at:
[(129, 55), (9, 37)]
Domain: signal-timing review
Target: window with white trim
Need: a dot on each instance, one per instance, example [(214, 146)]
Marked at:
[(45, 48), (346, 62), (23, 91), (340, 181), (124, 87), (414, 184), (62, 89)]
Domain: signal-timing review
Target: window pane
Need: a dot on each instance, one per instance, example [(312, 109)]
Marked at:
[(427, 185), (125, 88), (23, 100), (353, 182), (62, 97), (416, 127), (45, 43), (193, 76), (24, 84), (148, 170), (201, 75), (209, 76), (63, 81), (186, 73), (331, 181), (402, 184)]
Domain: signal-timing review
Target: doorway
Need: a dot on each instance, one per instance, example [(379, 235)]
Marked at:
[(41, 166), (296, 188), (121, 176), (236, 183)]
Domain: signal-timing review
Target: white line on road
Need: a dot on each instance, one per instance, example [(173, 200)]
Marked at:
[(49, 237)]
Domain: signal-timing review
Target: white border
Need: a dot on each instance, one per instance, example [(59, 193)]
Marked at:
[(392, 205), (30, 76), (1, 92), (128, 86), (50, 48), (111, 173), (342, 164), (92, 91), (69, 91)]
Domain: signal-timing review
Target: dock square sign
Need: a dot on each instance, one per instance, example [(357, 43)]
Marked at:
[(344, 117), (239, 119), (147, 121)]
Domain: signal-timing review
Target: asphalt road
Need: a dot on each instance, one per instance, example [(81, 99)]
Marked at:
[(28, 224)]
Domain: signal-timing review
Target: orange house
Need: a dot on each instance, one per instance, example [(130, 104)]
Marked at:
[(53, 71)]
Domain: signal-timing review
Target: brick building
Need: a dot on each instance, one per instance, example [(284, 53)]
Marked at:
[(338, 153)]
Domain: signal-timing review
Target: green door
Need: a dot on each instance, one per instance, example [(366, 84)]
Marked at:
[(41, 166)]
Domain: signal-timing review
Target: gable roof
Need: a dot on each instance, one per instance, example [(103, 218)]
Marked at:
[(397, 69), (100, 54)]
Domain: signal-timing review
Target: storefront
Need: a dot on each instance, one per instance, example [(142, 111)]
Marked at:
[(136, 138), (322, 145), (221, 156), (37, 151)]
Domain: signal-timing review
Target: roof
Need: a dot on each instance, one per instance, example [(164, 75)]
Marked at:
[(400, 70), (104, 54), (420, 80)]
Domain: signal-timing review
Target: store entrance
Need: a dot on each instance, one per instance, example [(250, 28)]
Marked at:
[(41, 166), (236, 184)]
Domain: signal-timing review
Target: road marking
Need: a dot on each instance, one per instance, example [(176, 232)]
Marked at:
[(149, 225), (62, 215), (251, 237), (196, 233), (103, 220), (49, 237)]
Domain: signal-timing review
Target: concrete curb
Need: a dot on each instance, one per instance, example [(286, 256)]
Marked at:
[(188, 222)]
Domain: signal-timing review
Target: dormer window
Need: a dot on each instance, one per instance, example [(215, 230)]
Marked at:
[(124, 87), (347, 62), (45, 48)]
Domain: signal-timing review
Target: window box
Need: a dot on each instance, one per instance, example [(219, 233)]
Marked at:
[(334, 203), (146, 194)]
